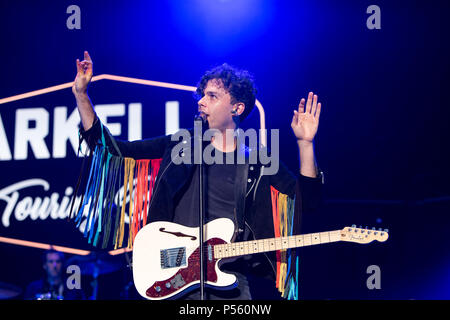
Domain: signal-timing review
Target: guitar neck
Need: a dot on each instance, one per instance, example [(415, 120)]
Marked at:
[(235, 249)]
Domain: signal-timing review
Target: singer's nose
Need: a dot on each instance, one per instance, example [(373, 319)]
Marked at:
[(200, 103)]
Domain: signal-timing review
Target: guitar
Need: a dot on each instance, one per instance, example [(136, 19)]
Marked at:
[(166, 261)]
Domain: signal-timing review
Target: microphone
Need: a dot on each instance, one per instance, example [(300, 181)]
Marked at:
[(200, 116), (200, 122)]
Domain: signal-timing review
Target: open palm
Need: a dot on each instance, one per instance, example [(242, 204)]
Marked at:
[(305, 121)]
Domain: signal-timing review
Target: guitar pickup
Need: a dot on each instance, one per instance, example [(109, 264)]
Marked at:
[(173, 257)]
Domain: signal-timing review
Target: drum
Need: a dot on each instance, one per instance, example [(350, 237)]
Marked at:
[(9, 291)]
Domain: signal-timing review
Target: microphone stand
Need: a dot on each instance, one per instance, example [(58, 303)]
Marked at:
[(198, 155)]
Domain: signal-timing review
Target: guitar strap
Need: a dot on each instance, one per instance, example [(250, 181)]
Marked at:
[(297, 210), (239, 195)]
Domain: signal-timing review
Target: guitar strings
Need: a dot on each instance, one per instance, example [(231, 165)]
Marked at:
[(175, 252)]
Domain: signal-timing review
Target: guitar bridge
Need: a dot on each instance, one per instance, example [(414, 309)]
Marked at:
[(173, 257)]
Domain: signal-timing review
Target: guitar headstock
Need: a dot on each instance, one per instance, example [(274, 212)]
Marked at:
[(360, 235)]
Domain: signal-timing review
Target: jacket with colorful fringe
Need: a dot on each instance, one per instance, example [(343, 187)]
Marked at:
[(267, 206)]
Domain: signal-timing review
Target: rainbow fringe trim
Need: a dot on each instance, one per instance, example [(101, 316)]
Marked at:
[(113, 178), (287, 259)]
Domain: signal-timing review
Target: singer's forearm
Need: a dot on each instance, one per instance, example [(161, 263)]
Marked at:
[(85, 109), (308, 166)]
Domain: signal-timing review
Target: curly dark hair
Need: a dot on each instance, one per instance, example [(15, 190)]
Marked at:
[(238, 83)]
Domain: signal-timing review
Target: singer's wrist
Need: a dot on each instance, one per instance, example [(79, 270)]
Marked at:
[(304, 143)]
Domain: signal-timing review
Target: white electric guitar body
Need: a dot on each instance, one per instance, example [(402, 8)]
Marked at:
[(166, 259)]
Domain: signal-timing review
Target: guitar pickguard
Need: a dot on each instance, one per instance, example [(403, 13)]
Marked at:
[(186, 276)]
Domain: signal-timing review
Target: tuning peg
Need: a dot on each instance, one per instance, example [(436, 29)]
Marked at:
[(373, 228), (353, 225), (386, 230)]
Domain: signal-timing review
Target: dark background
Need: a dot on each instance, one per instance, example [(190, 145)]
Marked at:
[(382, 140)]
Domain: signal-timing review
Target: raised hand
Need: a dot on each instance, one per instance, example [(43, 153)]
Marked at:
[(84, 75), (305, 121)]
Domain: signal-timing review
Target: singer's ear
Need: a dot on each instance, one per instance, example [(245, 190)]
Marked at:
[(238, 109)]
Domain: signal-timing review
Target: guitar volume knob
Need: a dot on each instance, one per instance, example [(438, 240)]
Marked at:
[(168, 285), (158, 289)]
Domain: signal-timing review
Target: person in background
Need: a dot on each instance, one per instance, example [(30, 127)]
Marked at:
[(53, 285)]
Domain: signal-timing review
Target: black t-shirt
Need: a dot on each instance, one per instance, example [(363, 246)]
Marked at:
[(220, 200)]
